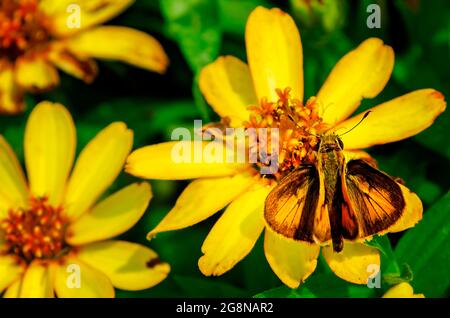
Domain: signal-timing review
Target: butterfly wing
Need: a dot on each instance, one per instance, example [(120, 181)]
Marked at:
[(373, 201), (290, 208)]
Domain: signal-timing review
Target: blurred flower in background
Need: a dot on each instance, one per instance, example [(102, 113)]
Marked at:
[(269, 94), (52, 225), (327, 14), (39, 36)]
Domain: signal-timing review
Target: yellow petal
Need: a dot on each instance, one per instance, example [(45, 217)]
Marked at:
[(13, 190), (177, 160), (122, 44), (10, 271), (129, 266), (201, 199), (235, 233), (36, 74), (50, 142), (13, 291), (73, 278), (354, 263), (227, 86), (71, 16), (112, 216), (11, 96), (361, 73), (397, 119), (274, 52), (36, 282), (412, 213), (292, 261), (84, 69), (402, 290), (97, 167)]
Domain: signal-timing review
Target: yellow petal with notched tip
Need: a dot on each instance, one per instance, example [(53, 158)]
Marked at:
[(235, 233), (97, 167), (292, 261), (129, 266), (50, 142), (112, 216), (120, 44), (361, 73), (397, 119), (274, 53), (355, 263)]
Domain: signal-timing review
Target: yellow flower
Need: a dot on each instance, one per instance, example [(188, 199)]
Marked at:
[(274, 77), (53, 229), (38, 36), (402, 290)]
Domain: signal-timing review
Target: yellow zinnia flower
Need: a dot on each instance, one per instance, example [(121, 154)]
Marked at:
[(402, 290), (52, 227), (274, 82), (38, 36)]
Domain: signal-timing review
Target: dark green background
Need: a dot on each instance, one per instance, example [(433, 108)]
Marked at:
[(152, 105)]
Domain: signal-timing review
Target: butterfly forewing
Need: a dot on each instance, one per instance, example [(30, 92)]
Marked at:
[(374, 201), (290, 207)]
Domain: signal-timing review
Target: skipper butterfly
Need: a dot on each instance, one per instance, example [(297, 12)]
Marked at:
[(333, 199)]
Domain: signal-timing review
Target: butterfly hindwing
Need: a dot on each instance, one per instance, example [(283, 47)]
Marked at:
[(373, 201), (290, 207)]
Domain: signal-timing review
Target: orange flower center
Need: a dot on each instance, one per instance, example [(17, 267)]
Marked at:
[(298, 125), (22, 27), (36, 232)]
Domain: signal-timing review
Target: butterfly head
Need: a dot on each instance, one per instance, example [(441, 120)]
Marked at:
[(330, 142)]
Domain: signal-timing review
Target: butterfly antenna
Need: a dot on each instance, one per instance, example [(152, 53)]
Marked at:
[(364, 117), (292, 118)]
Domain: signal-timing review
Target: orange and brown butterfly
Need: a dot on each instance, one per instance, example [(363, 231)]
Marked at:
[(333, 200)]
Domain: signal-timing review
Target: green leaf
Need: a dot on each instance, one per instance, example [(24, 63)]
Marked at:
[(203, 287), (389, 264), (194, 25), (425, 249), (321, 286), (146, 117), (428, 186), (200, 102), (234, 14), (436, 137)]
